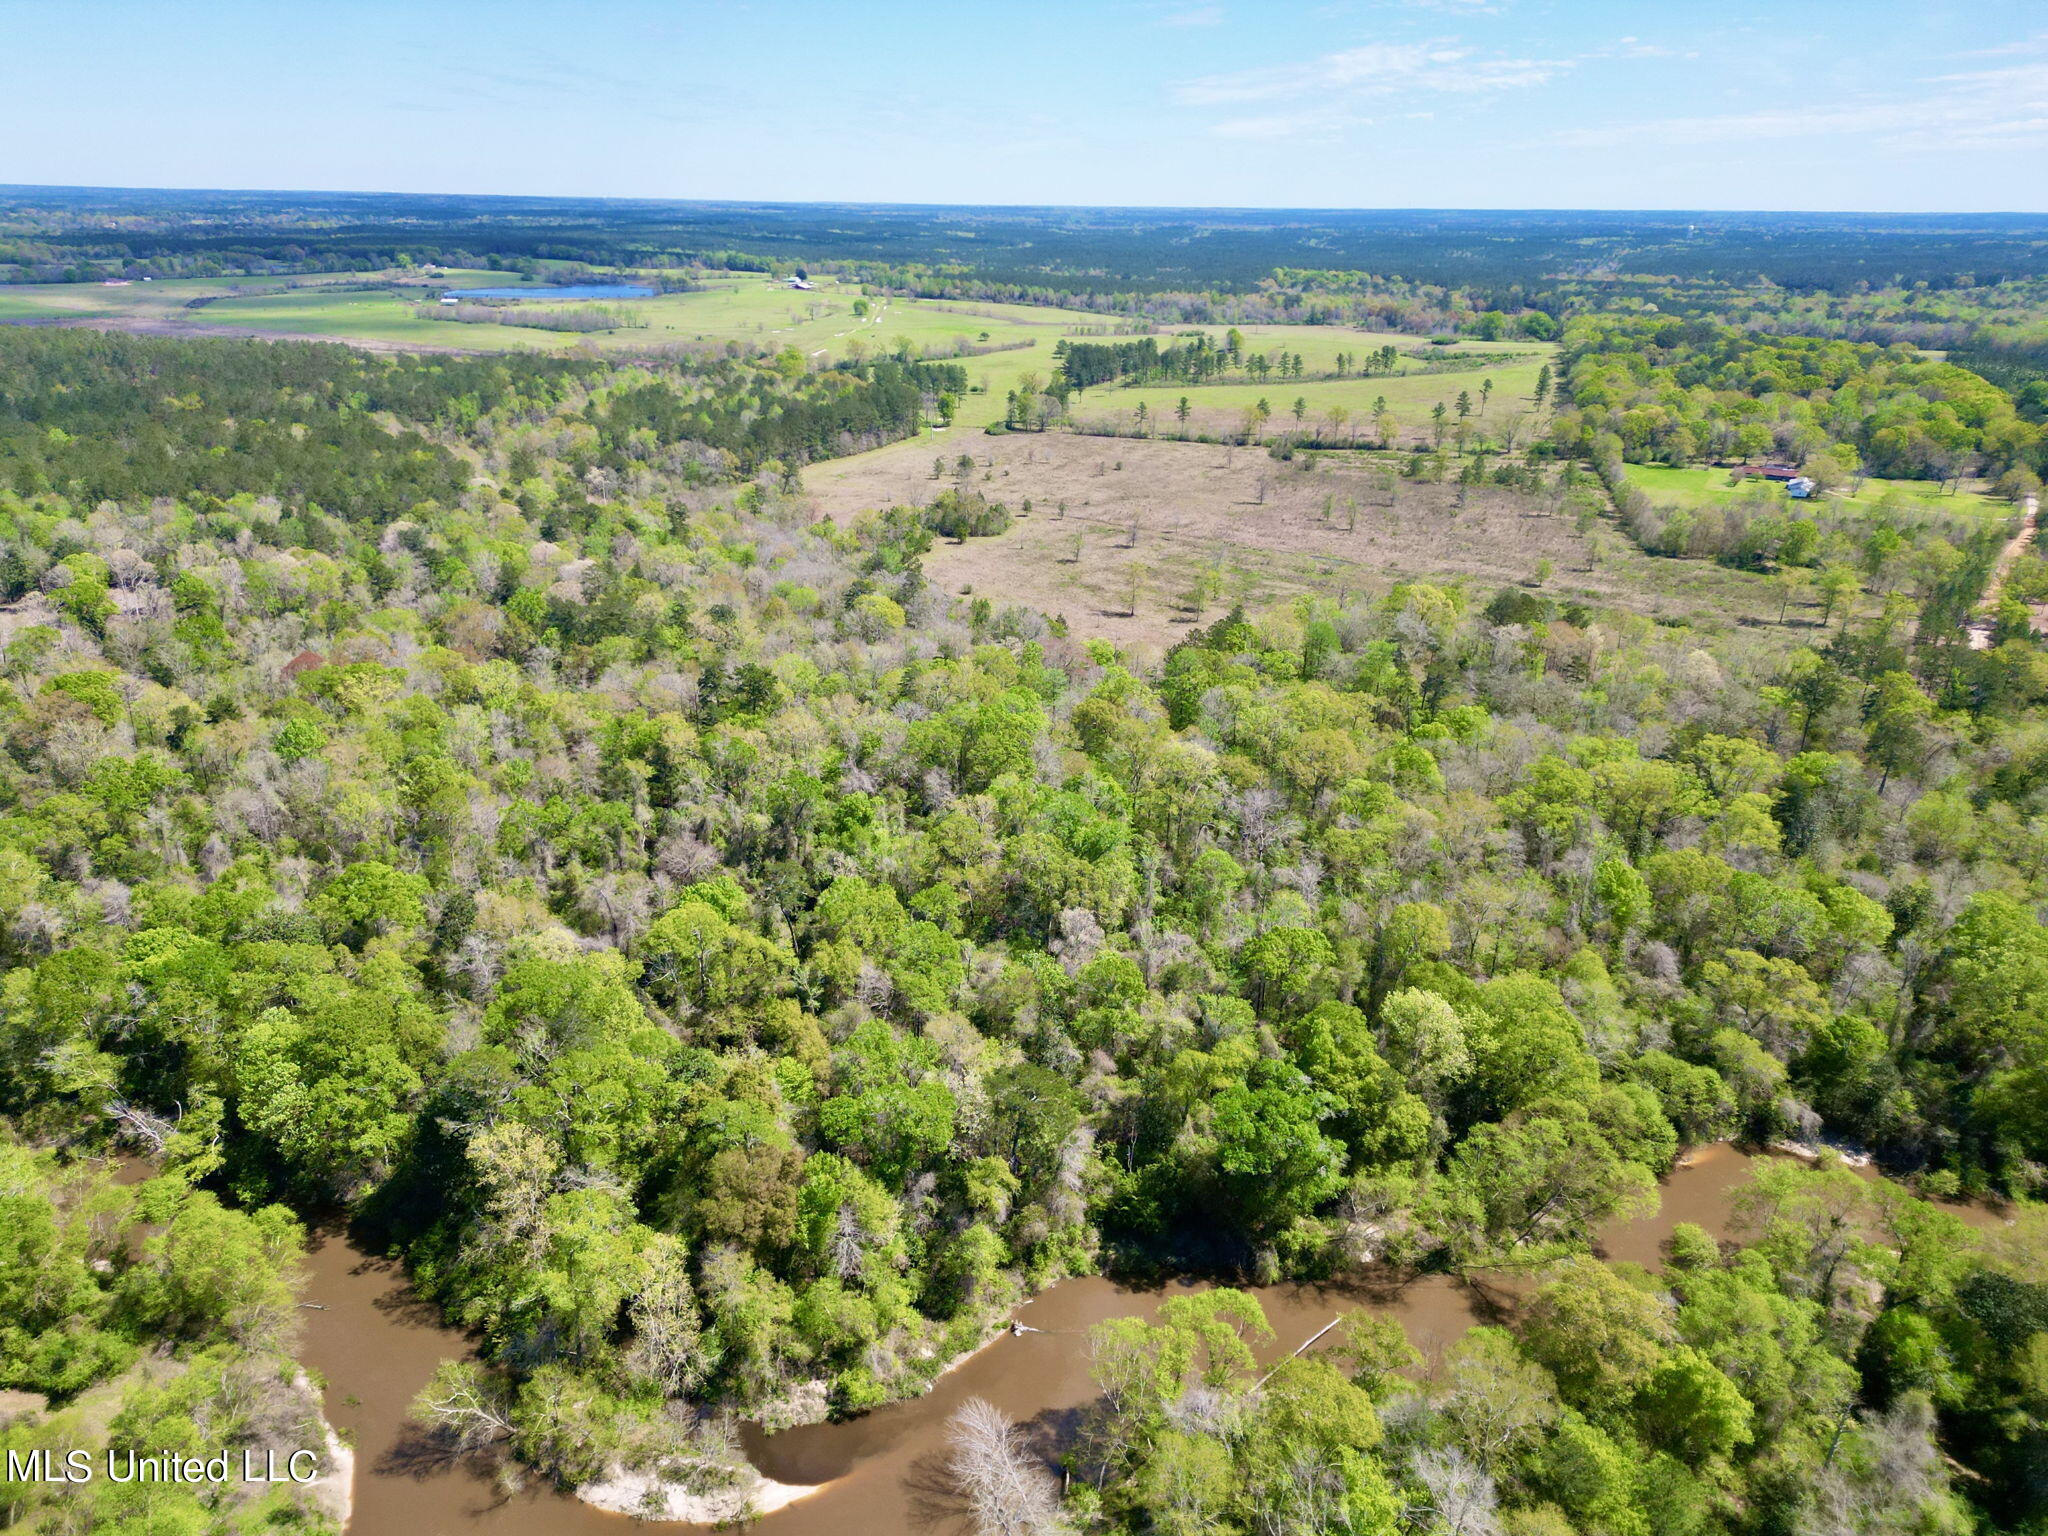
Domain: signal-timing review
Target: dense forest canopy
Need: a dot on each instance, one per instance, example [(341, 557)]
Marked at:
[(483, 799), (1676, 391)]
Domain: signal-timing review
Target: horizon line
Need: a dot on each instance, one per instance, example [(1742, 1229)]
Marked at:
[(1025, 207)]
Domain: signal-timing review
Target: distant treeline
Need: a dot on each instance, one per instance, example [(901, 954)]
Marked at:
[(58, 234)]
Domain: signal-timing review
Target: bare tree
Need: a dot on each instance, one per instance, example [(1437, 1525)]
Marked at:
[(667, 1345), (1894, 1486), (467, 1403), (1462, 1500), (143, 1126), (1008, 1493)]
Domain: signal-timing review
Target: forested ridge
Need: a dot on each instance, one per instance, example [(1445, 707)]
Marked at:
[(478, 797)]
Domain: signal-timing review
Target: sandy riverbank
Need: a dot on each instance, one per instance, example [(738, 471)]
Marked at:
[(648, 1496)]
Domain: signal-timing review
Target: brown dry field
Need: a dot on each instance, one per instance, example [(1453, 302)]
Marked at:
[(1197, 507)]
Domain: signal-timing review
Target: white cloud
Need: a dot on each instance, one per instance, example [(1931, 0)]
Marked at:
[(1971, 110), (1636, 48), (1375, 69), (2038, 43), (1299, 127)]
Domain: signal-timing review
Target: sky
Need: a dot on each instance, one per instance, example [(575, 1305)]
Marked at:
[(1803, 104)]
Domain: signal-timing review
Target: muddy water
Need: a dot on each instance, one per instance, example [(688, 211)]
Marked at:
[(882, 1469), (376, 1345), (1701, 1190)]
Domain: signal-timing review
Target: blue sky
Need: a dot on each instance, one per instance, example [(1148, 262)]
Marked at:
[(1803, 104)]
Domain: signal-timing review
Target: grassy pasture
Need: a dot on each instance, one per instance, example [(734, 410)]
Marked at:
[(1703, 487), (367, 317), (167, 299), (759, 312), (751, 310), (1320, 344), (18, 306), (746, 308), (1410, 396)]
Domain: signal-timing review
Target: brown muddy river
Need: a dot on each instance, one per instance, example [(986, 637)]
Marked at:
[(375, 1345)]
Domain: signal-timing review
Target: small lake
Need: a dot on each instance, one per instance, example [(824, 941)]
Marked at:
[(559, 291)]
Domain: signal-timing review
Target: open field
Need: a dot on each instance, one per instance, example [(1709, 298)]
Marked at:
[(1257, 527), (1012, 340), (1318, 345), (336, 307), (166, 299), (1668, 487), (744, 308), (16, 305), (368, 317), (1410, 396)]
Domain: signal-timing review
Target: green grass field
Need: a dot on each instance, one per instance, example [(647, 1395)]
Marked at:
[(820, 323), (739, 307), (1668, 487), (368, 317), (165, 299), (1320, 344), (1410, 397), (31, 304)]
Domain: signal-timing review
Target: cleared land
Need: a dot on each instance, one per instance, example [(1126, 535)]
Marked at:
[(1410, 395), (1014, 339), (1005, 342), (1702, 487), (1255, 528)]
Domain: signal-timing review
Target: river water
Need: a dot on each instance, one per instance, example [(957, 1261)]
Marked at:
[(376, 1344)]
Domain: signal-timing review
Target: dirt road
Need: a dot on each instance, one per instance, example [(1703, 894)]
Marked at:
[(1981, 625)]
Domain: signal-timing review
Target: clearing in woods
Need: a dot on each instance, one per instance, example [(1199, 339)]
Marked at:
[(1250, 530), (1410, 395), (1703, 486)]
